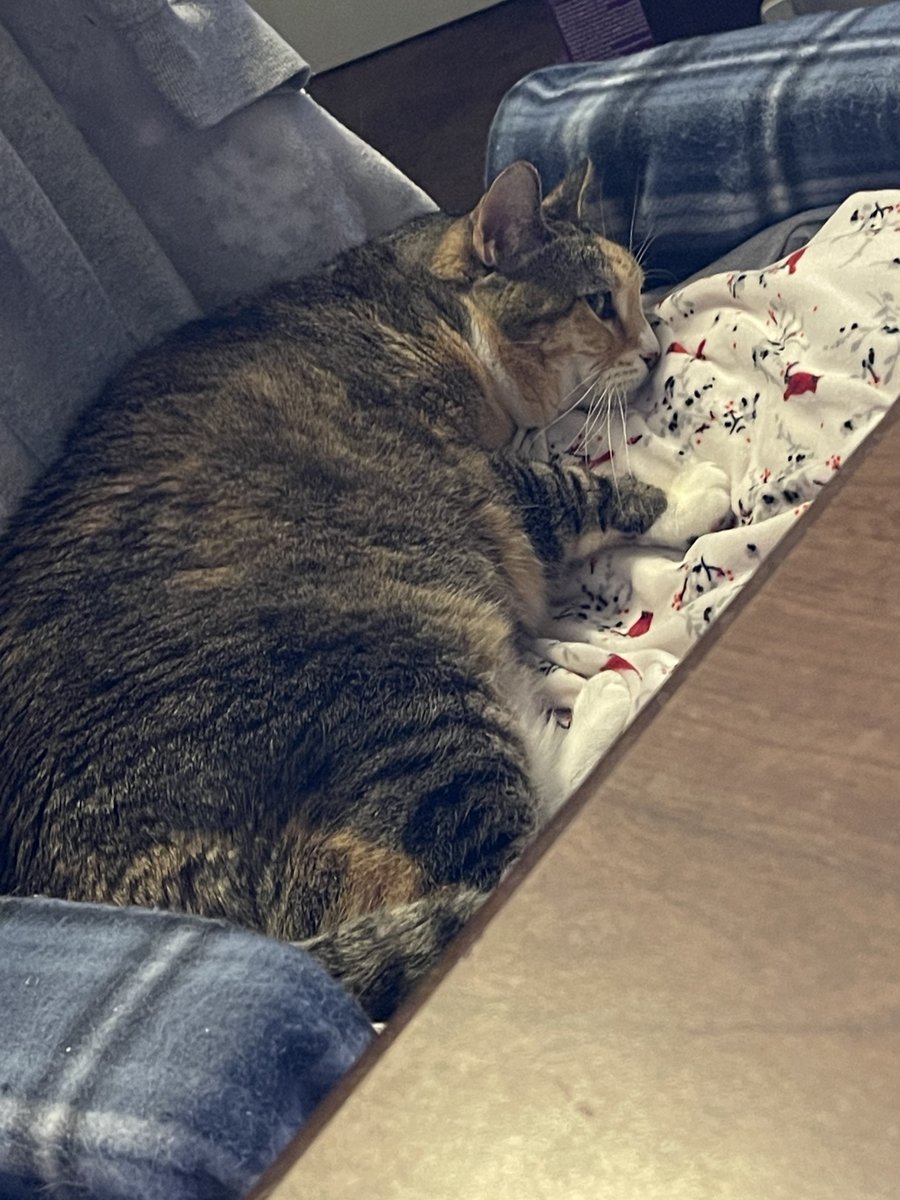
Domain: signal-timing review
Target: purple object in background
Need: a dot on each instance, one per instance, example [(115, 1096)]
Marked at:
[(596, 30), (600, 29)]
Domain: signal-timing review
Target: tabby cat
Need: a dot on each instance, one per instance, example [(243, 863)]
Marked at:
[(261, 624)]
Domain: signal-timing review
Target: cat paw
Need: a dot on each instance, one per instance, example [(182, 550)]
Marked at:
[(631, 507), (699, 501)]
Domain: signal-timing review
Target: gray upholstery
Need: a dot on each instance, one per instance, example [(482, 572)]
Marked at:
[(156, 159)]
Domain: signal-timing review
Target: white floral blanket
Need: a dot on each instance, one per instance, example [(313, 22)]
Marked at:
[(768, 381)]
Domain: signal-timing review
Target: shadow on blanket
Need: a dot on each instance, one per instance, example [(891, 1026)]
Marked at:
[(157, 1056)]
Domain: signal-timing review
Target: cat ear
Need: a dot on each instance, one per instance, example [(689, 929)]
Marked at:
[(567, 200), (508, 222)]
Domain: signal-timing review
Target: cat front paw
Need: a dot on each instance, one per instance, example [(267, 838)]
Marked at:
[(699, 501), (631, 507)]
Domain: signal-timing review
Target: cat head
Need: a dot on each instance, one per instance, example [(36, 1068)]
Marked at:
[(556, 308)]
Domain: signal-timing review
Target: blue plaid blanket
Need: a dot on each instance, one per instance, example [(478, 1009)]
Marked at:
[(699, 144), (155, 1056)]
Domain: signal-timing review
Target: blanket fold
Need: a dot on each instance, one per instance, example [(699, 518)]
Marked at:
[(154, 1055), (699, 144)]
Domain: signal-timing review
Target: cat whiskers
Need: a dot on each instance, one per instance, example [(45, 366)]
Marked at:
[(587, 384), (597, 408), (622, 401), (600, 412), (634, 208), (612, 456), (657, 276), (640, 252), (644, 248)]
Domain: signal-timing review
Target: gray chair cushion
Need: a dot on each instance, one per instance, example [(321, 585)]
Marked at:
[(155, 160)]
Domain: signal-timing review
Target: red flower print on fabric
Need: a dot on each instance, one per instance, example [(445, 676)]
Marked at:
[(615, 662), (641, 625), (798, 382)]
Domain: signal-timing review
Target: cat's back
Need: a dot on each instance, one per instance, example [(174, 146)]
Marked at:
[(283, 481), (270, 412)]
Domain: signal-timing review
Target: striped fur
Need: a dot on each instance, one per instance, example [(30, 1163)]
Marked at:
[(260, 623)]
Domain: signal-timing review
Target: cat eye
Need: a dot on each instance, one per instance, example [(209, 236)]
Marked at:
[(603, 305)]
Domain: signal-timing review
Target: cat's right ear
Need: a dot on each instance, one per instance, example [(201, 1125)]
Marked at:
[(569, 198), (508, 223)]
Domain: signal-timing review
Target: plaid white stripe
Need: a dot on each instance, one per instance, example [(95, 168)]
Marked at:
[(700, 144), (152, 1055)]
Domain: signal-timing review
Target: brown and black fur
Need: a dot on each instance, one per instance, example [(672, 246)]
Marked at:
[(259, 625)]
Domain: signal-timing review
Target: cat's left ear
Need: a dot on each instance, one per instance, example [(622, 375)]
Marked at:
[(507, 222), (568, 199)]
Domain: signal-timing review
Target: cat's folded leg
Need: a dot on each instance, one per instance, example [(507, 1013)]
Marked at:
[(569, 513), (628, 506)]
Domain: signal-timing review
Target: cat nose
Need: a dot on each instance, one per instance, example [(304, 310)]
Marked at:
[(650, 358)]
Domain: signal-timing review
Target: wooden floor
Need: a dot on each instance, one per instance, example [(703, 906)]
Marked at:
[(427, 104)]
